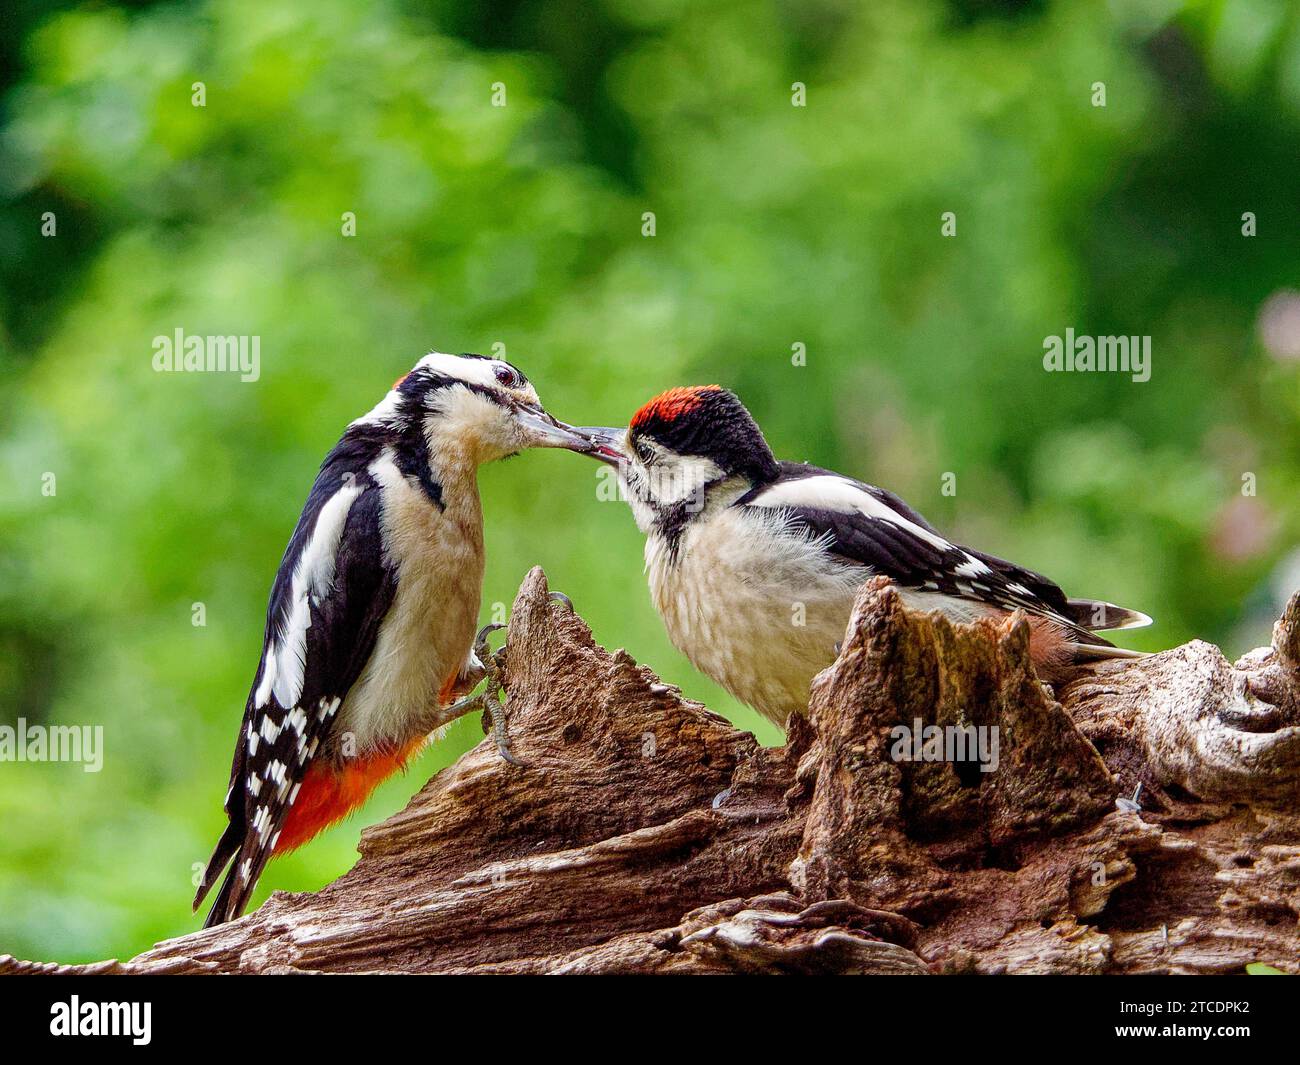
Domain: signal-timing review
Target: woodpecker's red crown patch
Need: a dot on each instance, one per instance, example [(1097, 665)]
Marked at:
[(671, 405)]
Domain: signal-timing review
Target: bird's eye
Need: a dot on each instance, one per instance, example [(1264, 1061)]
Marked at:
[(507, 377), (644, 452)]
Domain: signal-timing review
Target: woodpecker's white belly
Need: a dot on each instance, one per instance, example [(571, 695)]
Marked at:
[(426, 636), (760, 608), (753, 606)]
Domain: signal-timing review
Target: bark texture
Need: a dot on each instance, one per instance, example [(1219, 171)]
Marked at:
[(645, 834)]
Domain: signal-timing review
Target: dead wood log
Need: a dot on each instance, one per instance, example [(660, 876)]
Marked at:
[(644, 834)]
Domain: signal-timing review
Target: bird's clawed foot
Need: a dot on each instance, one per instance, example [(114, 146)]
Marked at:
[(489, 668), (494, 715), (492, 664)]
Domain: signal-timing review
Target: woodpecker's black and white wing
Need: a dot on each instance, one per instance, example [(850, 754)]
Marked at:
[(871, 527), (331, 593)]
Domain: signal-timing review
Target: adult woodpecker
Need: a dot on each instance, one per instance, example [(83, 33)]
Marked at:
[(371, 623), (754, 564)]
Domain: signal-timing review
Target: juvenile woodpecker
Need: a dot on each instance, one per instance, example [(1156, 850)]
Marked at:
[(371, 621), (754, 564)]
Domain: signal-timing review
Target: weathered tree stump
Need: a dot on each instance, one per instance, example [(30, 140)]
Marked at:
[(644, 834)]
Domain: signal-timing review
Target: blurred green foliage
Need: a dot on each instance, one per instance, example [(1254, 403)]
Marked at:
[(776, 225)]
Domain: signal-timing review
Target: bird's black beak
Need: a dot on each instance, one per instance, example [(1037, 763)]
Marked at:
[(605, 444), (542, 430)]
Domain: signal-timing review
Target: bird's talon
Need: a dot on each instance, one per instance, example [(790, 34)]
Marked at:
[(494, 723), (560, 597), (482, 648)]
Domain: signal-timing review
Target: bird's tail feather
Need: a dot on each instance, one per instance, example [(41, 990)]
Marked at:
[(237, 887), (225, 849), (1096, 615), (1084, 652), (223, 906)]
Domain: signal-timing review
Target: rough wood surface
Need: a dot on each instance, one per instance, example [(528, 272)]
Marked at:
[(644, 834)]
